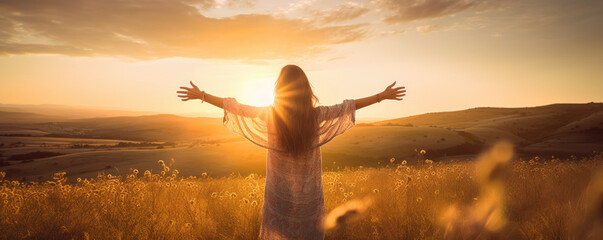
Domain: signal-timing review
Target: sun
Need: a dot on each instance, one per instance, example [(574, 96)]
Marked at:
[(259, 92)]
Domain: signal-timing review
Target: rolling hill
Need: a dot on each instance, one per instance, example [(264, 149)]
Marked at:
[(69, 112), (558, 126), (163, 127), (27, 117), (203, 144)]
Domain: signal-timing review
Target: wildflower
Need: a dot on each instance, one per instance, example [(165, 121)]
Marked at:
[(187, 225), (172, 222), (341, 189), (79, 179), (251, 195), (233, 195), (161, 162), (245, 200), (422, 152), (428, 161), (251, 176), (419, 199), (403, 162), (135, 171), (59, 175), (254, 203), (376, 190), (392, 160), (192, 201), (147, 173), (214, 195)]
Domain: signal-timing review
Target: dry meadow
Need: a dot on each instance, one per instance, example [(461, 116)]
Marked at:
[(496, 196)]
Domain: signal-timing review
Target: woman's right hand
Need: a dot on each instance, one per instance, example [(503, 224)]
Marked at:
[(393, 93), (191, 93)]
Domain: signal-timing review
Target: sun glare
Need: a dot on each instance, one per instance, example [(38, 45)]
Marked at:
[(259, 92)]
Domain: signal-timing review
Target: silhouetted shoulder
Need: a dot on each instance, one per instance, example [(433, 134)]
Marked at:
[(337, 110), (335, 120), (231, 105)]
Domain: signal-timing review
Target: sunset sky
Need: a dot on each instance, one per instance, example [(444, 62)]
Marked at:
[(450, 54)]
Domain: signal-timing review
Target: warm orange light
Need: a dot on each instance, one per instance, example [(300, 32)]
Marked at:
[(259, 92)]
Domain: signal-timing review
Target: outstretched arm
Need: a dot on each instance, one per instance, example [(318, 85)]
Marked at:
[(195, 93), (389, 93)]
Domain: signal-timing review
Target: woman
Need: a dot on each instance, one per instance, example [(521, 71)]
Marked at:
[(292, 130)]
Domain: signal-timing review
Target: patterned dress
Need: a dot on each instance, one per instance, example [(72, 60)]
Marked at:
[(293, 198)]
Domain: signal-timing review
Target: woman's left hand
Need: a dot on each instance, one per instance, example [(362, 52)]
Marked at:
[(191, 93)]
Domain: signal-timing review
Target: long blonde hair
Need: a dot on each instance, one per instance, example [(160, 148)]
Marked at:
[(295, 110)]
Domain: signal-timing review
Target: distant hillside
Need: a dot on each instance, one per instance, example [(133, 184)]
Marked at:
[(68, 112), (26, 117), (204, 144), (163, 127), (556, 126)]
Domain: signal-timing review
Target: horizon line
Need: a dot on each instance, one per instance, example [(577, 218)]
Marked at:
[(198, 115)]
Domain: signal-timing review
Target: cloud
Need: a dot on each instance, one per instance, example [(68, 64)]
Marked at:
[(341, 13), (427, 28), (392, 33), (412, 10), (146, 29)]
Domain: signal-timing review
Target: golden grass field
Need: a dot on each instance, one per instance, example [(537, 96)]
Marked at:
[(496, 196)]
